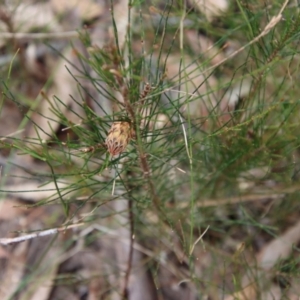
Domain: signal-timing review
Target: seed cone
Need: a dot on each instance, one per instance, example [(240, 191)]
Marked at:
[(118, 137)]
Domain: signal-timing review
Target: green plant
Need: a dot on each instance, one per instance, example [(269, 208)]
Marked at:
[(202, 142)]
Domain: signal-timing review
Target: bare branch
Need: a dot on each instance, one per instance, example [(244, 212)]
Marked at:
[(7, 241), (36, 36)]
